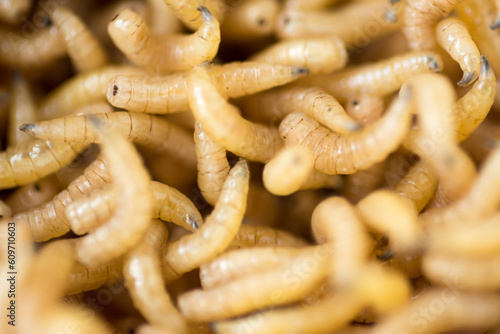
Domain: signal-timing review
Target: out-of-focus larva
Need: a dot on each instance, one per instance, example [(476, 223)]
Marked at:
[(319, 180), (134, 204), (168, 53), (255, 291), (83, 48), (482, 141), (363, 182), (473, 107), (288, 170), (407, 264), (496, 22), (320, 55), (216, 234), (161, 19), (22, 110), (380, 78), (49, 221), (146, 130), (227, 128), (273, 105), (188, 11), (33, 195), (335, 221), (143, 279), (385, 212), (38, 51), (366, 108), (345, 154), (345, 23), (457, 310), (213, 166), (12, 11), (84, 278), (262, 206), (261, 236), (250, 20), (309, 4), (5, 210), (454, 37), (82, 89), (34, 160)]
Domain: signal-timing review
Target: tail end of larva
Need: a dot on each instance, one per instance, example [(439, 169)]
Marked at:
[(486, 69), (467, 78), (496, 24), (205, 13), (299, 71), (28, 128)]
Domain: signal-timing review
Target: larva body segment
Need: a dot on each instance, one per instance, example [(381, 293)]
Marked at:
[(212, 165), (309, 4), (82, 89), (187, 10), (84, 278), (453, 36), (227, 128), (158, 53), (345, 154), (262, 236), (366, 108), (83, 48), (320, 55), (133, 209), (216, 234), (12, 11), (22, 110), (33, 194), (143, 279), (161, 18)]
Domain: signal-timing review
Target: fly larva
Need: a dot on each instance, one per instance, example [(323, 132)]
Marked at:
[(324, 317), (418, 186), (12, 11), (381, 78), (346, 233), (288, 170), (253, 292), (250, 20), (419, 18), (385, 212), (38, 51), (169, 204), (407, 264), (97, 107), (48, 221), (363, 182), (345, 154), (345, 23), (318, 180), (34, 194), (161, 18), (84, 50), (320, 55), (144, 281), (366, 108), (213, 166), (146, 130), (81, 89), (275, 104), (309, 4), (134, 204), (160, 53), (216, 234), (481, 200), (227, 128), (82, 278), (34, 160), (482, 141), (473, 107), (22, 110), (453, 36), (261, 236), (188, 11)]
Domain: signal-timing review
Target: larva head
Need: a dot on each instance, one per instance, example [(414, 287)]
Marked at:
[(260, 16), (119, 91), (128, 30), (433, 61)]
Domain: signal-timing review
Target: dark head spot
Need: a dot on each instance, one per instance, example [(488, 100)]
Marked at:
[(114, 17), (355, 102), (37, 187), (47, 21), (329, 109), (115, 90), (261, 22), (286, 20)]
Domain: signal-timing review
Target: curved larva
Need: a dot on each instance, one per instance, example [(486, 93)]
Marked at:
[(216, 234), (22, 110), (344, 154), (84, 50), (81, 89), (222, 122), (144, 281), (255, 291), (84, 278), (273, 105), (149, 131), (261, 236), (213, 166), (320, 55), (366, 108), (380, 78), (187, 10), (164, 53), (473, 107), (458, 310), (38, 51), (453, 36), (285, 173), (12, 11), (48, 221), (419, 18), (86, 213), (134, 205), (33, 194), (34, 160), (160, 17)]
